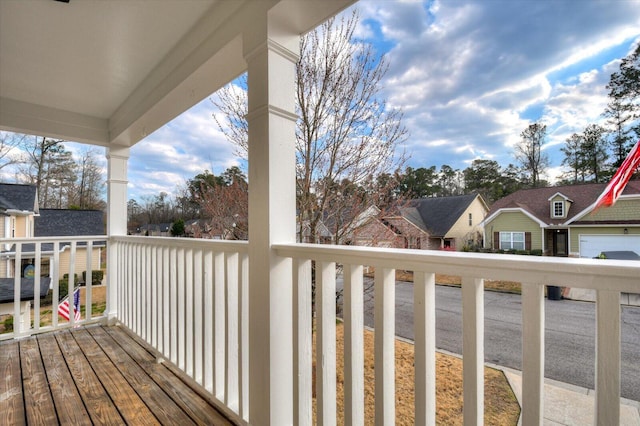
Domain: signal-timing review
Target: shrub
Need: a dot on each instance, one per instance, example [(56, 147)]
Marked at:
[(63, 287), (96, 277), (8, 324), (75, 278)]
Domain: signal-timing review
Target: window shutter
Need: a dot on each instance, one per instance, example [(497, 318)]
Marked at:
[(527, 240), (496, 240)]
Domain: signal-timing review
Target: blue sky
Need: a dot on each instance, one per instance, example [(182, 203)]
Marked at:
[(470, 76)]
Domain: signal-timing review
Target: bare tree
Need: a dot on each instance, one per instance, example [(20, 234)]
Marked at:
[(226, 203), (51, 168), (529, 154), (346, 131), (9, 144), (89, 187)]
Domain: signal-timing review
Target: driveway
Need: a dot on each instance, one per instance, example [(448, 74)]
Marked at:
[(569, 335)]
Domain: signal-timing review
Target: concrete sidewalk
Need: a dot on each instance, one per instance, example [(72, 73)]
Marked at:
[(566, 404)]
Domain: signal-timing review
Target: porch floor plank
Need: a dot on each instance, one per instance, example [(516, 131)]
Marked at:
[(95, 375), (37, 397), (163, 407), (11, 398), (125, 397), (188, 399), (63, 390), (102, 410)]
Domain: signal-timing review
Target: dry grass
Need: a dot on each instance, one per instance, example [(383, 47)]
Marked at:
[(501, 406), (452, 280)]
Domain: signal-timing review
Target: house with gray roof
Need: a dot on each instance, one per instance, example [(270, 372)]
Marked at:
[(438, 223), (24, 219)]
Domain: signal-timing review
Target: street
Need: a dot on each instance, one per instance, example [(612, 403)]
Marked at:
[(569, 335)]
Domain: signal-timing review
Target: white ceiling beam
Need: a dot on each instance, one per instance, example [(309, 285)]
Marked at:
[(23, 117)]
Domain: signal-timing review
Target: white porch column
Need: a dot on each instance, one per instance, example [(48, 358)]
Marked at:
[(117, 158), (271, 53)]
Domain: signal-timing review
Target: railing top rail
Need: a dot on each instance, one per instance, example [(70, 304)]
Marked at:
[(66, 239), (601, 274), (218, 245)]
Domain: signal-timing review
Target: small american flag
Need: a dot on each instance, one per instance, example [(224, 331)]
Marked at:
[(63, 307), (620, 178)]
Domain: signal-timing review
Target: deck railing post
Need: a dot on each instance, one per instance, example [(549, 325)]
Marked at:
[(271, 51), (117, 158), (473, 350), (607, 404)]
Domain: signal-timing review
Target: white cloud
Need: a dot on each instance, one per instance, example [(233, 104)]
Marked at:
[(474, 75), (469, 75), (188, 145)]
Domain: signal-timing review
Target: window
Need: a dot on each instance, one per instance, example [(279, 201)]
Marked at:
[(470, 219), (512, 240), (558, 209)]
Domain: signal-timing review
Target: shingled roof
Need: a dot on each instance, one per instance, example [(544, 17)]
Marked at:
[(18, 197), (535, 201), (438, 214), (61, 222)]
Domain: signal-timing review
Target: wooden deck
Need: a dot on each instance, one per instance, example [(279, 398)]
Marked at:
[(94, 375)]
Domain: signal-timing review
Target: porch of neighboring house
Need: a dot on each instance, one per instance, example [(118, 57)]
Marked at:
[(95, 375)]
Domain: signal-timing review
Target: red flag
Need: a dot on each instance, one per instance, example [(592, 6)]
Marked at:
[(620, 179)]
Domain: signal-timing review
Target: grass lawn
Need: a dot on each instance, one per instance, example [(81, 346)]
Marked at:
[(452, 280), (501, 406), (98, 296)]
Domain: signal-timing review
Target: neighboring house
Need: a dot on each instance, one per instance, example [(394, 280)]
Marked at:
[(323, 235), (205, 228), (429, 223), (563, 221), (155, 230), (18, 206), (70, 223), (23, 219)]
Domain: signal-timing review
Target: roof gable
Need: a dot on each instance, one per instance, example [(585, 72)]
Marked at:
[(437, 214), (18, 197), (560, 195)]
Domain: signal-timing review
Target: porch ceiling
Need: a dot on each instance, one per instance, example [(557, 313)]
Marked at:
[(111, 72)]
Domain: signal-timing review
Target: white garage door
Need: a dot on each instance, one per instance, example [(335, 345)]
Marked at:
[(593, 245)]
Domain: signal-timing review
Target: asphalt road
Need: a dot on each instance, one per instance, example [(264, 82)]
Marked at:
[(569, 333)]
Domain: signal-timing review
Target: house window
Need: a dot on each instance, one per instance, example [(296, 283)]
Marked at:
[(558, 209), (470, 219), (512, 240)]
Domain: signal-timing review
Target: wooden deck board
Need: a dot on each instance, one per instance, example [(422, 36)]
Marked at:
[(95, 375), (130, 405), (101, 409), (65, 395), (163, 407), (37, 398), (11, 398), (188, 399)]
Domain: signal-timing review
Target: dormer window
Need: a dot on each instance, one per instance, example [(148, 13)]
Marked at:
[(558, 209)]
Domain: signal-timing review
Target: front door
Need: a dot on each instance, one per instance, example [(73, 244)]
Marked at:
[(560, 242)]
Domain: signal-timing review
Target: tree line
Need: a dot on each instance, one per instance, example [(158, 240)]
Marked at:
[(62, 180)]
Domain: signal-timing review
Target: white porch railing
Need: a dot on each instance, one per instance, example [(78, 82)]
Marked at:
[(188, 299), (607, 278), (29, 295)]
